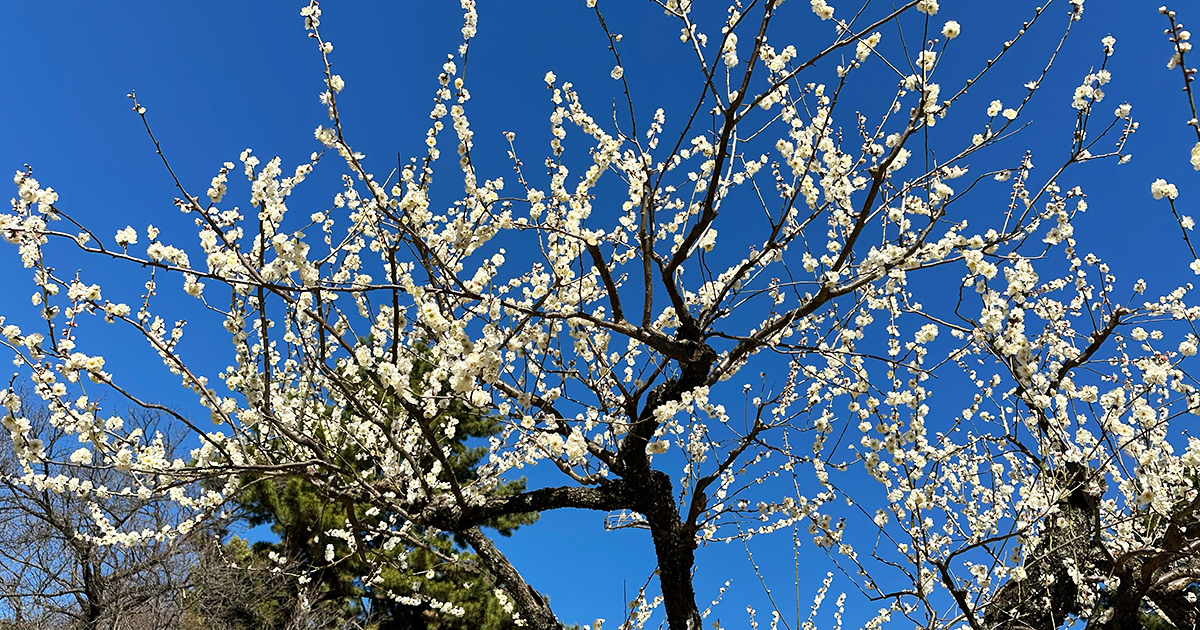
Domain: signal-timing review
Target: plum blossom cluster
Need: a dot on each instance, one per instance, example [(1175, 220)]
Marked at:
[(717, 337)]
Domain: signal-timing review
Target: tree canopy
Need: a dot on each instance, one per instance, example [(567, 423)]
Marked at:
[(299, 513), (825, 296)]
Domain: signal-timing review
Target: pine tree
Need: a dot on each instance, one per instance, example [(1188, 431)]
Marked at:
[(299, 512)]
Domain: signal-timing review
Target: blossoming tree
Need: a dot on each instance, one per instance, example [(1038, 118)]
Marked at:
[(615, 306), (51, 577)]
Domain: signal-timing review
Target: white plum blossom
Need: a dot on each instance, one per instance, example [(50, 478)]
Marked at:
[(82, 456), (822, 9), (926, 59), (1160, 188), (864, 47), (126, 237), (928, 333), (784, 313)]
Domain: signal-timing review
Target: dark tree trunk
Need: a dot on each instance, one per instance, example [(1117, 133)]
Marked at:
[(674, 544), (532, 605), (674, 538), (1049, 594), (1070, 541), (92, 595)]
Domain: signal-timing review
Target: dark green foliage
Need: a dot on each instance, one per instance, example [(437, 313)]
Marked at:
[(300, 511)]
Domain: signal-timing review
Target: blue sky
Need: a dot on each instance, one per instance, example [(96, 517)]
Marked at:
[(221, 76)]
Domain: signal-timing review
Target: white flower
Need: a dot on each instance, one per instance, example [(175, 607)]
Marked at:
[(926, 59), (1108, 43), (82, 457), (217, 188), (1160, 188), (1123, 112), (125, 237), (192, 286), (1195, 266), (34, 340), (1196, 156), (730, 50), (951, 29), (1082, 94), (79, 291), (994, 108), (822, 9), (116, 310), (941, 191), (1009, 113), (550, 78), (928, 7), (93, 364), (34, 449), (325, 135), (864, 47), (576, 448), (617, 72), (928, 333)]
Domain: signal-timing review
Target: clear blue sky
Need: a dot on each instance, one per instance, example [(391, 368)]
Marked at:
[(221, 76)]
